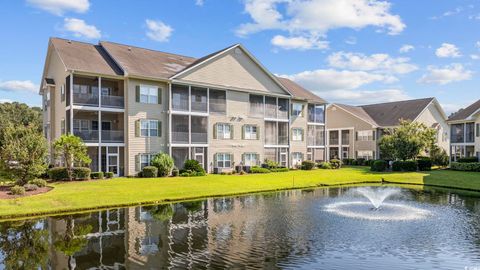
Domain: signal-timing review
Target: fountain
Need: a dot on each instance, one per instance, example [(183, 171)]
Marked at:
[(385, 211)]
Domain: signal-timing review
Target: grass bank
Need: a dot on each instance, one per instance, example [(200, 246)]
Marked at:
[(90, 195)]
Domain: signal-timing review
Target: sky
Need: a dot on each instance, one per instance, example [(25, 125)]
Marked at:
[(346, 51)]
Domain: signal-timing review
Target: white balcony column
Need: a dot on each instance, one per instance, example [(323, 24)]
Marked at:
[(99, 92), (71, 103), (189, 116), (99, 141), (169, 100)]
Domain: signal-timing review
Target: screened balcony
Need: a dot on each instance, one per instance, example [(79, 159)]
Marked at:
[(179, 97), (85, 92), (180, 129), (333, 138), (199, 99), (199, 128), (276, 133), (316, 113), (315, 135), (345, 137), (86, 126)]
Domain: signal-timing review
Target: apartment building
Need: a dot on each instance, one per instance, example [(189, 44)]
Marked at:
[(354, 131), (224, 109), (465, 132)]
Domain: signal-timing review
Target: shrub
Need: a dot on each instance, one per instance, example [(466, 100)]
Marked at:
[(96, 175), (193, 166), (469, 167), (379, 165), (271, 164), (39, 182), (308, 165), (58, 173), (17, 190), (348, 161), (360, 161), (424, 164), (279, 169), (369, 162), (336, 163), (439, 156), (109, 175), (325, 165), (467, 160), (405, 166), (190, 173), (81, 173), (164, 164), (149, 171), (242, 172), (354, 162), (256, 169), (175, 172), (30, 187)]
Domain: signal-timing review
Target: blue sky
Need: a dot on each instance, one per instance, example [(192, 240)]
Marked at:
[(349, 51)]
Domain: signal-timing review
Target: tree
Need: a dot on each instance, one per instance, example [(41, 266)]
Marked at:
[(23, 153), (439, 156), (19, 114), (408, 140), (72, 151), (164, 163)]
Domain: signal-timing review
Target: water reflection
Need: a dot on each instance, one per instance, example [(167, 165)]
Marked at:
[(276, 230)]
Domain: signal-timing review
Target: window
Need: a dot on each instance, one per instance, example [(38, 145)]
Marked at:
[(149, 128), (250, 159), (145, 160), (333, 137), (62, 92), (297, 159), (365, 135), (218, 101), (199, 99), (282, 108), (224, 131), (256, 106), (469, 132), (270, 107), (224, 160), (315, 135), (297, 134), (297, 109), (250, 132), (345, 151), (365, 154), (81, 125), (148, 94)]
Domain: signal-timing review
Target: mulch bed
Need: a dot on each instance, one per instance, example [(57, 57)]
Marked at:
[(5, 192)]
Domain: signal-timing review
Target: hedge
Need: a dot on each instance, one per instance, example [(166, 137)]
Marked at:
[(97, 175), (109, 175), (149, 171), (469, 167), (424, 164), (379, 165), (39, 182), (467, 160), (256, 169), (404, 166), (325, 165), (279, 169), (17, 190), (336, 163), (81, 173), (308, 165), (58, 173)]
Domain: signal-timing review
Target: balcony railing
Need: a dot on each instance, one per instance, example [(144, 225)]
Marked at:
[(345, 140), (180, 137), (87, 135), (112, 101), (85, 99), (333, 141), (199, 137), (112, 136)]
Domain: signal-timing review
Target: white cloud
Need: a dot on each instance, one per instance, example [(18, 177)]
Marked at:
[(300, 43), (59, 7), (406, 48), (330, 79), (447, 74), (448, 50), (314, 18), (18, 86), (380, 62), (199, 2), (5, 100), (477, 44), (158, 31), (360, 97), (81, 29), (351, 40), (474, 56)]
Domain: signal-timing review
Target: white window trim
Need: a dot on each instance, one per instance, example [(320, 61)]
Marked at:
[(149, 160), (149, 127), (250, 159), (149, 95), (301, 110), (248, 132), (365, 135), (223, 132), (295, 134), (223, 160)]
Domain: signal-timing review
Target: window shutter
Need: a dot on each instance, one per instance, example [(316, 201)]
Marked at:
[(243, 158), (159, 97), (257, 158), (137, 93), (258, 133), (303, 135), (232, 160), (215, 160), (159, 127), (243, 132), (232, 134), (137, 128), (374, 133), (137, 163), (356, 135), (215, 133)]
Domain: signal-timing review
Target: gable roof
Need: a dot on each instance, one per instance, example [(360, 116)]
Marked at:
[(464, 114), (84, 57), (145, 62), (299, 92), (389, 114)]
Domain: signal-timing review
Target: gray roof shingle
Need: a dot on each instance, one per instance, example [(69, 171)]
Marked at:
[(299, 92), (463, 114)]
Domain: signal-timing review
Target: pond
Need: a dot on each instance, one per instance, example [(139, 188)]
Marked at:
[(327, 228)]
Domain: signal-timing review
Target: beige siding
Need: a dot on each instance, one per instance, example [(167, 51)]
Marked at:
[(299, 122), (477, 138), (338, 118), (237, 114), (431, 116), (136, 111), (235, 70)]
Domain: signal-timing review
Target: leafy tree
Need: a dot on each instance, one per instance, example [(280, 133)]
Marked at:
[(439, 156), (387, 148), (73, 239), (24, 245), (19, 114), (408, 140), (72, 151), (23, 153), (164, 163)]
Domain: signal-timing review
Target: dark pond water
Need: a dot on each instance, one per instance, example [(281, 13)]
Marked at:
[(310, 229)]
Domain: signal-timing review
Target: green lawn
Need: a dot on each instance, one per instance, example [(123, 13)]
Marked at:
[(88, 195)]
